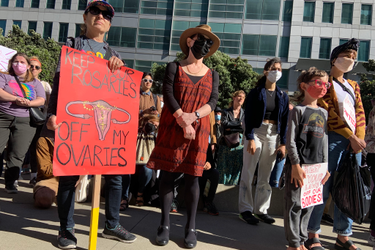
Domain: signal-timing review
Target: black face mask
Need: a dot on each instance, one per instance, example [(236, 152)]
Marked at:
[(149, 128), (201, 47)]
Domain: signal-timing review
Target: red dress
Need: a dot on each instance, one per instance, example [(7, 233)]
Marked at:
[(173, 152)]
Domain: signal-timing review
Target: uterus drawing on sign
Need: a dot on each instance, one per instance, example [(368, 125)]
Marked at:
[(102, 115)]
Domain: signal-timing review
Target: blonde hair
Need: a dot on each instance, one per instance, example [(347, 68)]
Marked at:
[(29, 76), (235, 94), (305, 77)]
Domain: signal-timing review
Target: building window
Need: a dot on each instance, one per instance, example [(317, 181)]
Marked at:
[(145, 66), (230, 36), (364, 51), (157, 7), (366, 14), (78, 29), (63, 33), (20, 3), (32, 26), (47, 32), (342, 41), (82, 4), (129, 6), (195, 9), (259, 45), (3, 25), (325, 48), (309, 12), (4, 3), (283, 82), (263, 9), (347, 13), (288, 9), (284, 46), (306, 43), (226, 8), (17, 22), (177, 29), (154, 34), (129, 63), (328, 9), (66, 4), (35, 3), (122, 36), (50, 4)]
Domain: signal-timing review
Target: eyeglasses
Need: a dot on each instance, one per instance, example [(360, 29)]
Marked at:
[(320, 83), (96, 11), (34, 66), (147, 80)]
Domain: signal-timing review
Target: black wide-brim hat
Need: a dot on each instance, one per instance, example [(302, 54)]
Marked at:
[(204, 30)]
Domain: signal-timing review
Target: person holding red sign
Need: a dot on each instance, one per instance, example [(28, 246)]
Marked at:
[(15, 103), (307, 143), (190, 91), (346, 127), (97, 22)]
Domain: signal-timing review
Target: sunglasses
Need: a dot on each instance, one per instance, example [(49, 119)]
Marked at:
[(147, 80), (320, 83), (36, 67), (105, 13)]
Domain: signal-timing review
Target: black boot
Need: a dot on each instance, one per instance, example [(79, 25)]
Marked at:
[(10, 176), (162, 236), (190, 238)]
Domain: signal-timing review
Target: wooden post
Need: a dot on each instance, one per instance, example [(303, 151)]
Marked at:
[(95, 206)]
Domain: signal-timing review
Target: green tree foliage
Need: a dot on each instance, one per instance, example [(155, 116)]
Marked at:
[(48, 51), (367, 87), (234, 73)]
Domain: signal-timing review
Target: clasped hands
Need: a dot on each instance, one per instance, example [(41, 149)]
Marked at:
[(20, 101), (185, 120)]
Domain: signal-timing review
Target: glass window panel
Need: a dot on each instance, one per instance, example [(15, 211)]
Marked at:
[(32, 26), (47, 31), (3, 24), (66, 4), (366, 14), (182, 12), (217, 14), (267, 45), (287, 13), (328, 9), (20, 3), (128, 63), (117, 5), (284, 46), (305, 51), (271, 9), (151, 4), (233, 15), (232, 28), (218, 7), (325, 48), (218, 1), (78, 29), (148, 11), (217, 27), (253, 9), (4, 3), (283, 81), (114, 35), (82, 4), (50, 4), (194, 13), (146, 32), (230, 50), (143, 63), (17, 22), (234, 8), (364, 51), (63, 33), (128, 36), (231, 36), (34, 3), (347, 13), (250, 44), (183, 5), (163, 12), (161, 32), (175, 47), (131, 6), (145, 39), (230, 43), (309, 12), (145, 45), (163, 24), (146, 23)]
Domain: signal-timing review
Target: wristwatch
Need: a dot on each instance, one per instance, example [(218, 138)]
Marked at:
[(197, 114)]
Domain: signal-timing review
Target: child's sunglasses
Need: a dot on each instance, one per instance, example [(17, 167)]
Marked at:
[(320, 83)]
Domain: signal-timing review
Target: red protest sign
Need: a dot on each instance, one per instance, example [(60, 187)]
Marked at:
[(99, 111)]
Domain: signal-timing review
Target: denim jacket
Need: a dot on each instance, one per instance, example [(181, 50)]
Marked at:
[(256, 108)]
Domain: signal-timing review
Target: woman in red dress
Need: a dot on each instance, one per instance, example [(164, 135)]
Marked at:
[(190, 91)]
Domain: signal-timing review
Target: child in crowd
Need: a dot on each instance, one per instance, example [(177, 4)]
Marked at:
[(307, 143)]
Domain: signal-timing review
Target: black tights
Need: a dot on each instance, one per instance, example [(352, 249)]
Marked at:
[(166, 197)]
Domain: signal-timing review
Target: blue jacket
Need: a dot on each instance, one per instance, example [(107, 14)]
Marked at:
[(256, 108)]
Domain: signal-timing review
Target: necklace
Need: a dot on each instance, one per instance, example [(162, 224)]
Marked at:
[(193, 73), (270, 92)]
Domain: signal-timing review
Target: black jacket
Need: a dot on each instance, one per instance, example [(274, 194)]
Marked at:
[(228, 121)]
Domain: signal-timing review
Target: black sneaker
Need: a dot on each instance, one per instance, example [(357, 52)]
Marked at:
[(33, 181), (249, 218), (210, 208), (11, 189), (327, 219), (66, 239), (119, 233), (174, 206), (265, 218)]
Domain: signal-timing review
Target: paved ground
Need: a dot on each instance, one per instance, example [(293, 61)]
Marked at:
[(24, 227)]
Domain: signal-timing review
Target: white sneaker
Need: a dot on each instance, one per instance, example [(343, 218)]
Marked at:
[(371, 240)]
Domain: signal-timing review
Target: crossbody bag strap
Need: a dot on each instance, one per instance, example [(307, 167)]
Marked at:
[(23, 91), (345, 88)]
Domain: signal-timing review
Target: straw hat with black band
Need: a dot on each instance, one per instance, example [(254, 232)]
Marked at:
[(204, 30)]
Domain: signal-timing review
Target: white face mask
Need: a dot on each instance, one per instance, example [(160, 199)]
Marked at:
[(274, 75), (344, 64)]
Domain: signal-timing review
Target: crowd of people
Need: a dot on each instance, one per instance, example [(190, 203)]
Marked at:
[(260, 140)]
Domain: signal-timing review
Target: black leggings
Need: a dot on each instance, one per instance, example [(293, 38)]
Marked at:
[(166, 196)]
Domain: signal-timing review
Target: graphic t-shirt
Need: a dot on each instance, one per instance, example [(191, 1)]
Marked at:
[(32, 90), (94, 48)]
